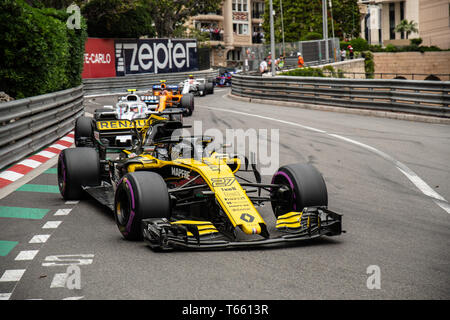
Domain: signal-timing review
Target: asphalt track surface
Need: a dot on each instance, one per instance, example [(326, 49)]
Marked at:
[(390, 221)]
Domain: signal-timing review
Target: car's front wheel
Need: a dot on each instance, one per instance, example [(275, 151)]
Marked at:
[(302, 186), (140, 195)]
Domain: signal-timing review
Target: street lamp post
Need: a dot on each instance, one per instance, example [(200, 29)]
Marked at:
[(272, 38), (325, 28), (282, 26)]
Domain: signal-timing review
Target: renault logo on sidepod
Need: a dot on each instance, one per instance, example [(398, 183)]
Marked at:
[(247, 217)]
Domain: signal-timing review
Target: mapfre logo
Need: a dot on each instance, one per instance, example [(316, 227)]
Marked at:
[(155, 56), (178, 172)]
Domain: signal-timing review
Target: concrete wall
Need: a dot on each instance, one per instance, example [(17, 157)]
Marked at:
[(435, 23), (426, 63), (349, 66)]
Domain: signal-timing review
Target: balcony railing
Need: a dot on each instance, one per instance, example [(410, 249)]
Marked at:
[(256, 14)]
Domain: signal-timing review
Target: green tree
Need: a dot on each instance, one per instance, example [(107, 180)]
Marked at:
[(407, 27), (302, 17), (118, 19), (170, 15)]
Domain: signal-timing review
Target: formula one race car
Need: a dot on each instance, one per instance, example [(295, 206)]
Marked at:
[(198, 86), (225, 75), (111, 127), (165, 96), (223, 79), (174, 193)]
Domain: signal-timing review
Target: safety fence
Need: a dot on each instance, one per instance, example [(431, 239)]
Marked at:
[(28, 125), (140, 81), (313, 53), (429, 98)]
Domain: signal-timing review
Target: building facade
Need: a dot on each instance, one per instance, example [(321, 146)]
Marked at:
[(236, 25), (380, 17)]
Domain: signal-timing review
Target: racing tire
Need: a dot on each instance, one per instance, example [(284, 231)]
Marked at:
[(209, 88), (83, 131), (202, 89), (140, 195), (77, 167), (187, 101), (306, 188)]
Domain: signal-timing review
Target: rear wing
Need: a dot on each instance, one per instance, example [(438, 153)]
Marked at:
[(168, 87)]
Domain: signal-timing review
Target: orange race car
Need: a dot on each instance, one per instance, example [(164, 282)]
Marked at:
[(169, 96)]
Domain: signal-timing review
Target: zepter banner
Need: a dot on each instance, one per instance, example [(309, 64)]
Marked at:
[(155, 56)]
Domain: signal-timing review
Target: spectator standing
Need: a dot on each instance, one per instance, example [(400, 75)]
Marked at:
[(343, 54), (300, 61), (350, 49), (263, 66)]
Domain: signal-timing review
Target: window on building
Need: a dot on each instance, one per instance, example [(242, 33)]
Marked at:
[(257, 10), (391, 21), (240, 28), (234, 55), (239, 5), (402, 16)]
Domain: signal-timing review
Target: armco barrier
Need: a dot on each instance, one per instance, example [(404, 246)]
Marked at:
[(28, 125), (429, 98), (140, 81)]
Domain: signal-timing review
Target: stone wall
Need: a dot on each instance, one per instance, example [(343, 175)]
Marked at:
[(420, 64), (353, 69)]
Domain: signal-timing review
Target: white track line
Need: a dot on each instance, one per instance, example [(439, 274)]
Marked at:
[(62, 212), (411, 175), (39, 238), (51, 224), (26, 255), (12, 275)]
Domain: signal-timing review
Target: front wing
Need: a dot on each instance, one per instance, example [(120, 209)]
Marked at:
[(202, 235)]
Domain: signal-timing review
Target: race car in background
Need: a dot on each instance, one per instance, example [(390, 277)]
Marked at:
[(164, 96), (197, 86), (174, 192), (225, 75), (114, 126)]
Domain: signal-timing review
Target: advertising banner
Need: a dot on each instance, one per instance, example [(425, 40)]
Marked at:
[(155, 56), (99, 61)]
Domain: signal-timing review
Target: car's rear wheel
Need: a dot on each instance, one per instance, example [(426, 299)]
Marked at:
[(140, 195), (303, 186), (202, 89), (187, 101), (77, 167), (209, 87), (83, 131)]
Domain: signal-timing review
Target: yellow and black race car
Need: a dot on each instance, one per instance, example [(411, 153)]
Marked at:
[(172, 192)]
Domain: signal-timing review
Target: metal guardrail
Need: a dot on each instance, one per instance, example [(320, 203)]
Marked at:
[(140, 81), (429, 98), (27, 125)]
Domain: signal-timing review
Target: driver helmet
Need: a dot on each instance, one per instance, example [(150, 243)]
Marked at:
[(134, 108)]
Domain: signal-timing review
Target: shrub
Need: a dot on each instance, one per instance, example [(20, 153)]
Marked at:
[(344, 44), (329, 71), (369, 64), (416, 42), (359, 44), (312, 36), (391, 48), (375, 48), (305, 72), (40, 54)]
